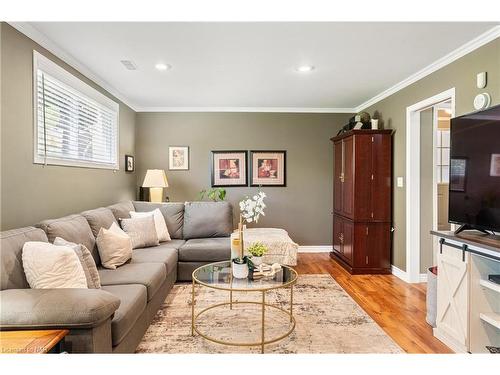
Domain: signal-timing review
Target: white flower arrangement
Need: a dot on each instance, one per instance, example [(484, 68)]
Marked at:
[(252, 208)]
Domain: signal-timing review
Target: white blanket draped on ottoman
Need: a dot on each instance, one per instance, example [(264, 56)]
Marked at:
[(281, 248)]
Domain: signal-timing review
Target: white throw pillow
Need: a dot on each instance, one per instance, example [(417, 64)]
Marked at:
[(48, 266), (114, 246), (160, 225)]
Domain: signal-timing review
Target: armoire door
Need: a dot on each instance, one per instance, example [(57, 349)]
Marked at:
[(337, 180), (381, 184), (348, 178), (348, 239), (337, 234)]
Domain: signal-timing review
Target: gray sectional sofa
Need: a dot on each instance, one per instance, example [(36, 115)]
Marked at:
[(115, 317)]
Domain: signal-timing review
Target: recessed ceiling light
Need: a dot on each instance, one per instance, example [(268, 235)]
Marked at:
[(162, 67), (304, 68)]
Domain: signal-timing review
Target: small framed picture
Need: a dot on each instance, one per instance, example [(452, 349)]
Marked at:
[(268, 168), (129, 163), (178, 158), (229, 168)]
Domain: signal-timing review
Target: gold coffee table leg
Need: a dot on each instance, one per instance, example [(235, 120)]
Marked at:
[(192, 311), (291, 302), (263, 321)]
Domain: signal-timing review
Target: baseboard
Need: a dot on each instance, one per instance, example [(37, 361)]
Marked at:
[(399, 273), (315, 249), (404, 276)]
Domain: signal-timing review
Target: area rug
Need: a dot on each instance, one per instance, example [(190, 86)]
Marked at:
[(328, 320)]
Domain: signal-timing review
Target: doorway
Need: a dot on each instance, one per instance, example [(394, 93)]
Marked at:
[(427, 163)]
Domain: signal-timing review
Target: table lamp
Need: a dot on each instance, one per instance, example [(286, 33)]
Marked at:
[(155, 180)]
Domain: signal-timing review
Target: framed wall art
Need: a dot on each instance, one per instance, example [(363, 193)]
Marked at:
[(268, 168), (129, 163), (229, 168), (178, 158)]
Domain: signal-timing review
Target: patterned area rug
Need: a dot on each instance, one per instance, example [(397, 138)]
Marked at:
[(328, 321)]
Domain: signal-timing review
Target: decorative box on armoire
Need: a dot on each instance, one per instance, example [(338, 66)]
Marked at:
[(362, 191)]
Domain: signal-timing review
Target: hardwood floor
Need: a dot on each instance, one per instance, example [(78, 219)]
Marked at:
[(398, 307)]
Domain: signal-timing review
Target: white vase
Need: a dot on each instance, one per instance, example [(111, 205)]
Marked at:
[(257, 260), (240, 271)]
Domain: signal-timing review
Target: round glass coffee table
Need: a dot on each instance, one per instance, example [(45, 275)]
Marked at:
[(219, 276)]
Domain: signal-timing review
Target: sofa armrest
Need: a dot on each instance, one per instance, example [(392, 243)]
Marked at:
[(49, 308)]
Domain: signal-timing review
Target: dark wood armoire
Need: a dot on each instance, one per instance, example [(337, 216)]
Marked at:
[(362, 191)]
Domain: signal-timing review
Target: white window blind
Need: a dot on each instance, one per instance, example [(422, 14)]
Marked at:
[(75, 124)]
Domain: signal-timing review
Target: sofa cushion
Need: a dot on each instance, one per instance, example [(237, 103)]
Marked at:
[(133, 300), (172, 212), (99, 218), (72, 228), (205, 250), (121, 210), (207, 219), (11, 248), (151, 275), (164, 253)]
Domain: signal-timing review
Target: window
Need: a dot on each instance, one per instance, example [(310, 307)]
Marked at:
[(75, 125)]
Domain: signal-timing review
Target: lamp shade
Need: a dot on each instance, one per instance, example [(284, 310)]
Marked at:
[(155, 178)]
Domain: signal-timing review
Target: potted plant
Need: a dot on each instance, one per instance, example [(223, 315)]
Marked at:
[(250, 210), (257, 250)]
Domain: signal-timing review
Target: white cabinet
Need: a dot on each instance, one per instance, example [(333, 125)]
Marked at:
[(452, 322)]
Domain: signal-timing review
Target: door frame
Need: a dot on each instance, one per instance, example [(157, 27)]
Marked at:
[(413, 179)]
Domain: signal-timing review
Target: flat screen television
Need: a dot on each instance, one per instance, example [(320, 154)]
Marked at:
[(474, 186)]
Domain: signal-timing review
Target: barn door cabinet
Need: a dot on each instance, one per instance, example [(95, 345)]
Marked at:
[(468, 303), (362, 201)]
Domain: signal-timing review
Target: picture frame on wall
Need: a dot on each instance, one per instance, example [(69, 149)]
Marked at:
[(268, 168), (229, 169), (129, 163), (178, 158)]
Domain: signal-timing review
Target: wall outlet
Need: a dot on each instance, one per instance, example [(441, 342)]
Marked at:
[(399, 182)]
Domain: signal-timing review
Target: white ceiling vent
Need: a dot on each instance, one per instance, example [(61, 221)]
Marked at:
[(129, 64)]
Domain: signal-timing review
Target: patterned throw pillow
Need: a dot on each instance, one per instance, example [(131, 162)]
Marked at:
[(48, 266), (88, 263), (142, 231)]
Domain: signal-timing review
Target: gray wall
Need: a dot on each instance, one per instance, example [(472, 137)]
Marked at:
[(31, 192), (302, 208), (460, 74)]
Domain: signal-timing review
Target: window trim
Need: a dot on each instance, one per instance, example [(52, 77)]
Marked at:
[(77, 85)]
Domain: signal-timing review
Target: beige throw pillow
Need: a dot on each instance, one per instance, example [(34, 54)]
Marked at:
[(114, 245), (160, 225), (142, 231), (87, 261), (48, 266)]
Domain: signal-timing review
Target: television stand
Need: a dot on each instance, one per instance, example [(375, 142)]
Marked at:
[(469, 227)]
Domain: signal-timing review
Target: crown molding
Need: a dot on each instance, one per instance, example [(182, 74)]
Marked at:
[(247, 109), (468, 47), (31, 32)]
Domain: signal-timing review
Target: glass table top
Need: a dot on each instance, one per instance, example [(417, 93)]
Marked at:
[(219, 276)]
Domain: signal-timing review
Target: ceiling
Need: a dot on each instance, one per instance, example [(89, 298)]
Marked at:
[(252, 65)]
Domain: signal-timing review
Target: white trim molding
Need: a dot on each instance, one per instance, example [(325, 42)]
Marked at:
[(315, 249), (461, 51), (247, 109), (413, 179), (403, 275)]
